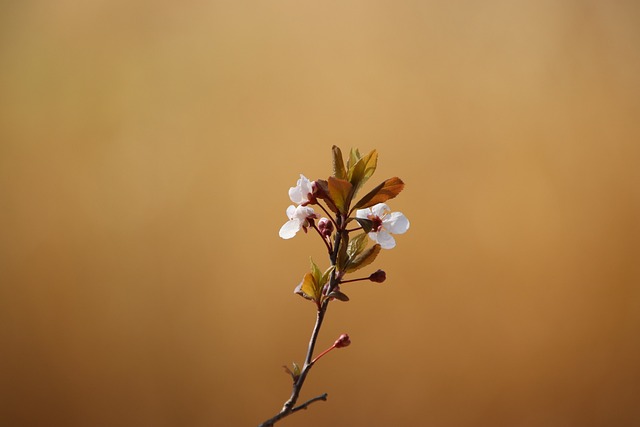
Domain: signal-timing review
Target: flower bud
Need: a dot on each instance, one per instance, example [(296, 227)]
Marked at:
[(342, 341), (325, 226), (378, 276)]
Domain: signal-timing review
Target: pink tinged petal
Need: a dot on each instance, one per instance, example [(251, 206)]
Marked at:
[(303, 212), (396, 223), (380, 210), (385, 240), (289, 229)]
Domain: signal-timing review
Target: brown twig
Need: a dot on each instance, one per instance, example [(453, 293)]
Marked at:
[(289, 406)]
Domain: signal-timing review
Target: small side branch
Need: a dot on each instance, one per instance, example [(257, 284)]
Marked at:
[(309, 402), (281, 415)]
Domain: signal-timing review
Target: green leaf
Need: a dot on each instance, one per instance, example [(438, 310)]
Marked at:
[(366, 224), (338, 164), (339, 296), (354, 156), (309, 288), (340, 193), (326, 276), (388, 189), (364, 259), (315, 271), (370, 164), (362, 170), (356, 245), (295, 373), (343, 258)]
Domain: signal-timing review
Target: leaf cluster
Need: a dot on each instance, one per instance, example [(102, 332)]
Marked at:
[(341, 188), (338, 192)]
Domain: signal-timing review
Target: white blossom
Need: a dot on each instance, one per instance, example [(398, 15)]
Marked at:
[(298, 219), (302, 191), (385, 223)]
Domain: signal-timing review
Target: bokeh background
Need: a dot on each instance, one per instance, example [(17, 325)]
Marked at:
[(146, 150)]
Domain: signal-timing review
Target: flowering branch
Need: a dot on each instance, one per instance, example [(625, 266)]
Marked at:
[(346, 254)]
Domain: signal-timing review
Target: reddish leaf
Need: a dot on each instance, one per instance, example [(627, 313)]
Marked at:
[(322, 192), (340, 193), (383, 192)]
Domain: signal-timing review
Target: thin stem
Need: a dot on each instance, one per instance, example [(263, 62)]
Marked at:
[(337, 239), (340, 232), (328, 214), (308, 363), (354, 280), (315, 227), (289, 406), (323, 353)]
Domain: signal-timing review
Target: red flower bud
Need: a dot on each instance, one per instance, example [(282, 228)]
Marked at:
[(325, 226), (378, 276), (342, 341)]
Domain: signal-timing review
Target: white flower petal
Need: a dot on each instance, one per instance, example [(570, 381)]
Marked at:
[(295, 195), (380, 210), (395, 223), (385, 239), (303, 212), (363, 213), (308, 184), (300, 193), (291, 211), (289, 229)]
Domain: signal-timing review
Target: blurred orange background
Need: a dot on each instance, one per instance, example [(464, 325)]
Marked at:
[(146, 150)]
